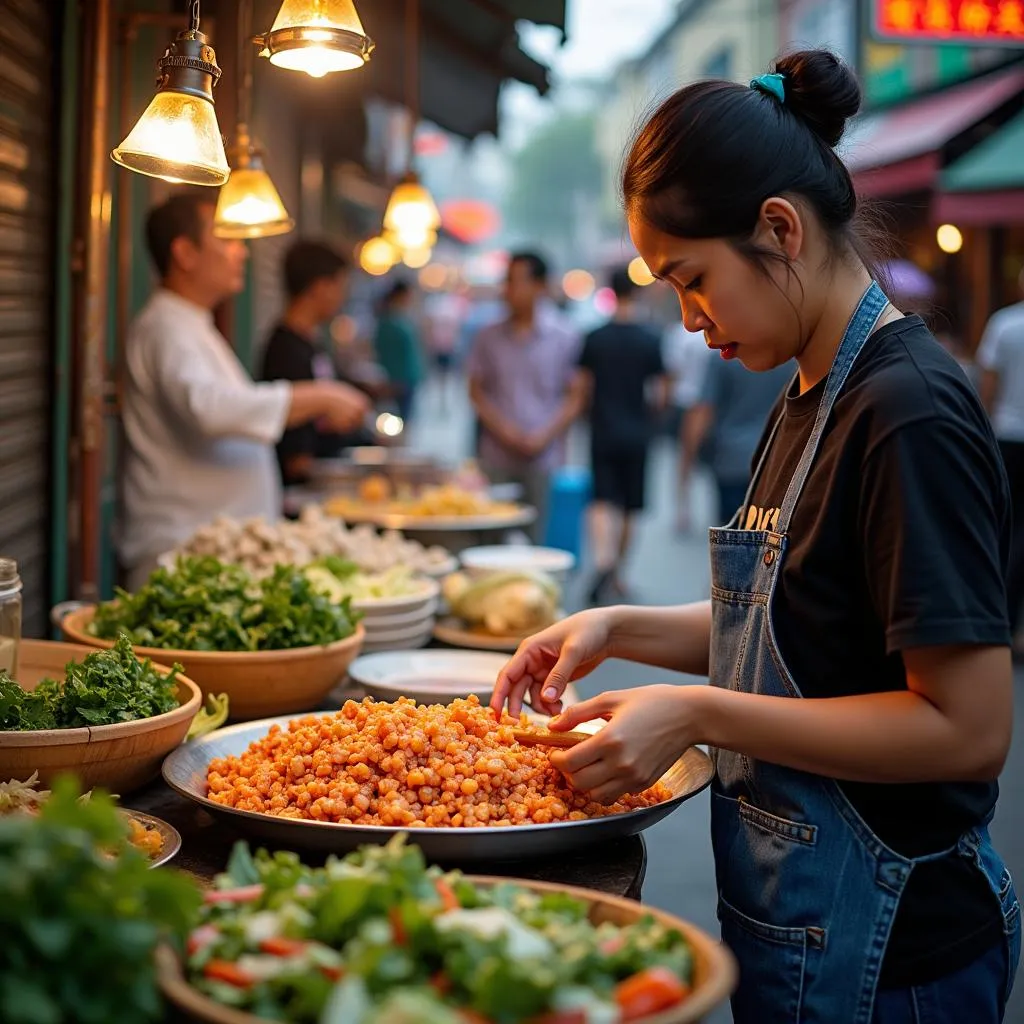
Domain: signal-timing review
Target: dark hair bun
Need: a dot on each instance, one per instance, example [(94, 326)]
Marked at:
[(821, 90)]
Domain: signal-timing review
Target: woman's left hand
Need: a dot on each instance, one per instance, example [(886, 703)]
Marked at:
[(648, 729)]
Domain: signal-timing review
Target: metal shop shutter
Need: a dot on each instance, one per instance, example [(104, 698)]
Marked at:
[(27, 144)]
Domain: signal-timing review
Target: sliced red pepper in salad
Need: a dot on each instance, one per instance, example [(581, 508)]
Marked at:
[(244, 894), (280, 946), (448, 898), (229, 973), (398, 926), (649, 991)]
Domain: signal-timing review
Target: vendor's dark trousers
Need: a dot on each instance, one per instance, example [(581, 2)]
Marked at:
[(975, 995), (1013, 459)]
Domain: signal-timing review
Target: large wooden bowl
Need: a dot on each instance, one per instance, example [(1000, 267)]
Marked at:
[(714, 969), (119, 757), (259, 684)]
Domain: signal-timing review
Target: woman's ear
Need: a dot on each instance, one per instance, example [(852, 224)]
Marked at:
[(780, 227)]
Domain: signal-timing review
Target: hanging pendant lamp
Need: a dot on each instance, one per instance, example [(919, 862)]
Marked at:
[(411, 219), (317, 36), (177, 138), (249, 206)]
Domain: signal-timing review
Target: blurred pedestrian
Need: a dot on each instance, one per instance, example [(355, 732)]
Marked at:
[(444, 312), (316, 278), (1001, 359), (686, 356), (620, 361), (398, 346), (525, 386), (727, 424)]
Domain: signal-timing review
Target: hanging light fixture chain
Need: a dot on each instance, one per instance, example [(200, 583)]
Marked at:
[(193, 16)]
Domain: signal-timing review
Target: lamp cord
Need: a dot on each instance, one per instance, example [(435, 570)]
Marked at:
[(244, 62), (412, 99)]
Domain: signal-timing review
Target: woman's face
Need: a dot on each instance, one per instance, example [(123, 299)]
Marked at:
[(745, 313)]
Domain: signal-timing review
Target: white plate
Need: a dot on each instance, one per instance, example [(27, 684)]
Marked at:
[(431, 677), (416, 617), (426, 593), (518, 557), (409, 632), (413, 643)]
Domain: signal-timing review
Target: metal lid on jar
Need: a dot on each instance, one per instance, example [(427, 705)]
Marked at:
[(10, 581)]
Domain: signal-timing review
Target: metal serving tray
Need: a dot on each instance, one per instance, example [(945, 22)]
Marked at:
[(184, 770)]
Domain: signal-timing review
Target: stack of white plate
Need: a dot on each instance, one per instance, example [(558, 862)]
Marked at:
[(400, 623)]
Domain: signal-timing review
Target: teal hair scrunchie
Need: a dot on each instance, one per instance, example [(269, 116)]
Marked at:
[(771, 85)]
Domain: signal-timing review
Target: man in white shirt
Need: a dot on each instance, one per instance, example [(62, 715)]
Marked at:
[(199, 432), (1001, 358)]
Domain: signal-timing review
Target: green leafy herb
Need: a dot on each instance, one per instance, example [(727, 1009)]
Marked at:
[(204, 605), (104, 688), (79, 925)]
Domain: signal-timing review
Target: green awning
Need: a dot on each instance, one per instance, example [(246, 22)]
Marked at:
[(993, 165)]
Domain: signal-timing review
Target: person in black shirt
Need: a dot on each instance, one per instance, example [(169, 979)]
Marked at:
[(316, 282), (619, 361), (857, 640)]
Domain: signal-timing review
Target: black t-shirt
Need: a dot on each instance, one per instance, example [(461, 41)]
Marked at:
[(290, 356), (622, 358), (900, 539)]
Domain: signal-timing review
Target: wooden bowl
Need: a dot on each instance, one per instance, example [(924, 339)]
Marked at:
[(119, 757), (259, 684), (714, 968)]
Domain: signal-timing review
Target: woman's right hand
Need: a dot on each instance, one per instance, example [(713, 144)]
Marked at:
[(547, 662)]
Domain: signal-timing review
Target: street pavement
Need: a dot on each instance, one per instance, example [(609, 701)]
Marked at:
[(669, 568)]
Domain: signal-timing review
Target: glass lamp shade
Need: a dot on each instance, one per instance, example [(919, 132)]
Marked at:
[(377, 256), (250, 207), (412, 214), (177, 139), (411, 238), (416, 258), (318, 37)]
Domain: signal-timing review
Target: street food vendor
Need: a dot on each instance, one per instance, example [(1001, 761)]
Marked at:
[(856, 639), (199, 433), (316, 280)]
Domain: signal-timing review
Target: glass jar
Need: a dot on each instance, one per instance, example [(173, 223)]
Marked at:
[(10, 615)]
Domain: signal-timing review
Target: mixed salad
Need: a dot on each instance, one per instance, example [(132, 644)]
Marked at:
[(380, 938), (201, 604)]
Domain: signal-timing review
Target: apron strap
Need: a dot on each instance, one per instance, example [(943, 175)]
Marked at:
[(861, 326)]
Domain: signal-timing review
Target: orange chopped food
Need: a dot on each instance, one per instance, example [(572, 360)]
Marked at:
[(147, 840), (405, 765)]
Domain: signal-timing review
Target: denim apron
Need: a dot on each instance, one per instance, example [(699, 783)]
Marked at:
[(807, 892)]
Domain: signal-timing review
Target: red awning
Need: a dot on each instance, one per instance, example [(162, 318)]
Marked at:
[(979, 209), (900, 150)]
